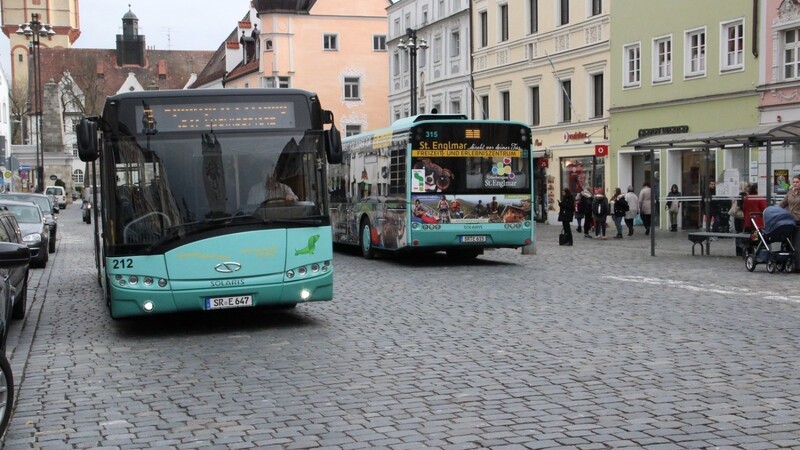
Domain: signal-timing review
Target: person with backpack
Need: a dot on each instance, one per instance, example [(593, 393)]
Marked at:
[(599, 213), (620, 207)]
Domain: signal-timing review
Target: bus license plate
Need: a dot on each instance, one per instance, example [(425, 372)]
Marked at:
[(470, 239), (229, 302)]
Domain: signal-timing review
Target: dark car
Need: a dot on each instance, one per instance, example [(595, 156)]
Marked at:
[(46, 204), (34, 229), (14, 259)]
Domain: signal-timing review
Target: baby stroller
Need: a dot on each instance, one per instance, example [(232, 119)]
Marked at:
[(771, 244)]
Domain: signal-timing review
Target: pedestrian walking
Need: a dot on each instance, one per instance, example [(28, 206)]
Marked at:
[(599, 213), (673, 206), (645, 209), (585, 208), (619, 206), (633, 209), (566, 211)]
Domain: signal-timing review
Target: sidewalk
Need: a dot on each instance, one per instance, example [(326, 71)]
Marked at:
[(666, 242)]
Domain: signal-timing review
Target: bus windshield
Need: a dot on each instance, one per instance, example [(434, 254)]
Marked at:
[(175, 184)]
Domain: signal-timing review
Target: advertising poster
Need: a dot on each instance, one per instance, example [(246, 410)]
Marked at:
[(781, 181)]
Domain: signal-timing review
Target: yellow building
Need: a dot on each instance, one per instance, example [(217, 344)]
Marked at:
[(61, 15), (334, 48), (546, 63)]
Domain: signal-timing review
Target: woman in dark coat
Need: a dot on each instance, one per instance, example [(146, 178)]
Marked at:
[(566, 212)]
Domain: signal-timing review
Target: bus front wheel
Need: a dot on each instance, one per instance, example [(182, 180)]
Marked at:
[(366, 240)]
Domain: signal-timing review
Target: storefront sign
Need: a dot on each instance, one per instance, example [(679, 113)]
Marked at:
[(644, 132), (578, 135), (601, 151)]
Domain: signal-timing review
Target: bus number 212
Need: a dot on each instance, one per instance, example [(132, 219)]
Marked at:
[(125, 263)]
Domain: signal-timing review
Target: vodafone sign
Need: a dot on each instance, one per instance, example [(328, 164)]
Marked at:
[(601, 150)]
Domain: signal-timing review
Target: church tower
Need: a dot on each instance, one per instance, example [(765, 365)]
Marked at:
[(62, 15)]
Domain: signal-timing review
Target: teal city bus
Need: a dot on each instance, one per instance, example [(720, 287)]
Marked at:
[(189, 218), (435, 183)]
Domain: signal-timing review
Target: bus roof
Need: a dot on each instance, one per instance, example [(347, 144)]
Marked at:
[(407, 122), (188, 93)]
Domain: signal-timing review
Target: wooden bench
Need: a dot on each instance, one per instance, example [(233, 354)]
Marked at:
[(701, 237)]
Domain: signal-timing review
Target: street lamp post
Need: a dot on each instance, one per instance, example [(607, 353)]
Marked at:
[(411, 44), (34, 30)]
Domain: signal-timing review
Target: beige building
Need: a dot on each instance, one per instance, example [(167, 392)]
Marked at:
[(334, 48), (546, 63), (62, 15)]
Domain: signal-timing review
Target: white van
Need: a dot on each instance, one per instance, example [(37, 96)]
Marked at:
[(59, 193)]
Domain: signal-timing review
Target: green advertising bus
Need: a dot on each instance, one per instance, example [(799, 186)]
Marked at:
[(435, 183), (212, 199)]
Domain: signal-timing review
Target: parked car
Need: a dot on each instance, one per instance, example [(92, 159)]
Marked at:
[(17, 276), (48, 207), (13, 257), (60, 193), (34, 229)]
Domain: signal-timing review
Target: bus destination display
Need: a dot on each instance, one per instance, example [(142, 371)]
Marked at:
[(216, 117)]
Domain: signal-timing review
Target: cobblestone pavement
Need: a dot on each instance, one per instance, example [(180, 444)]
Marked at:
[(595, 346)]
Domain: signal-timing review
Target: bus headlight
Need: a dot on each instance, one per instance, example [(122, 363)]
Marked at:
[(148, 305), (305, 294)]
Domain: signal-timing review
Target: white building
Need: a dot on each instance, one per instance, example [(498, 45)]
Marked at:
[(443, 68)]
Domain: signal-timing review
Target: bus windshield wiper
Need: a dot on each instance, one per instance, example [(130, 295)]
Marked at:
[(306, 221)]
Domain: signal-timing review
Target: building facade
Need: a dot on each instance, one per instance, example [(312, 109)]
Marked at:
[(336, 49), (441, 54), (696, 72), (546, 63), (779, 86)]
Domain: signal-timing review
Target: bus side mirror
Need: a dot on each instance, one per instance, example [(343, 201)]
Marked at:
[(333, 145), (87, 140)]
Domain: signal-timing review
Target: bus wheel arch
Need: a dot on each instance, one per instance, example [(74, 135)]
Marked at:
[(365, 240)]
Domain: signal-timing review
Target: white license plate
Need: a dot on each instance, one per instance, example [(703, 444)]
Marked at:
[(229, 302), (473, 238)]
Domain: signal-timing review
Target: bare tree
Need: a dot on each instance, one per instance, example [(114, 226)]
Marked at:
[(20, 106)]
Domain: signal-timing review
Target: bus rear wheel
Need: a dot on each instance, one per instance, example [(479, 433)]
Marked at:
[(366, 240)]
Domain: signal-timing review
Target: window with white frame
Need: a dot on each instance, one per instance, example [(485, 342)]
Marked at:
[(662, 59), (597, 7), (422, 57), (352, 130), (379, 43), (632, 70), (563, 16), (484, 107), (484, 20), (455, 43), (77, 176), (397, 27), (503, 18), (533, 16), (455, 106), (596, 94), (695, 52), (732, 40), (329, 42), (505, 104), (791, 54), (441, 8), (352, 88), (566, 101), (536, 112)]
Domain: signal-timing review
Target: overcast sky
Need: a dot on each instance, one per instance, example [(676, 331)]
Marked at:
[(166, 24)]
